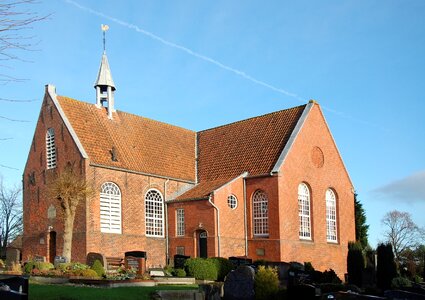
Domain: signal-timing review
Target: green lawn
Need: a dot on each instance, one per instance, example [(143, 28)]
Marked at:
[(68, 292)]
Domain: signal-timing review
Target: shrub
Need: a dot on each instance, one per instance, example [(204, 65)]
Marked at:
[(201, 268), (400, 282), (179, 273), (64, 267), (98, 268), (386, 268), (355, 263), (28, 267), (2, 264), (44, 266), (260, 262), (41, 266), (86, 273), (16, 268), (308, 267), (296, 266), (223, 266), (168, 270), (266, 283), (78, 266), (330, 277)]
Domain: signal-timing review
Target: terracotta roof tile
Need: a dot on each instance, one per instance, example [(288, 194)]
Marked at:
[(202, 190), (252, 145), (141, 144)]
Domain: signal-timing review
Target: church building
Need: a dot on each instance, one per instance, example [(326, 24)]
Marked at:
[(272, 187)]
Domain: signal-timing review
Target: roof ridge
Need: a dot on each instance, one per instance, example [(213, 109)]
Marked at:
[(130, 114), (251, 118)]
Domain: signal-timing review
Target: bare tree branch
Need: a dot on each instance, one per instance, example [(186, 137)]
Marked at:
[(16, 18), (10, 215), (401, 232), (69, 189)]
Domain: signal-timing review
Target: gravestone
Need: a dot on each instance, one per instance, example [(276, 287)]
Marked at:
[(39, 258), (12, 256), (59, 260), (136, 260), (239, 284), (179, 261), (93, 256), (240, 261)]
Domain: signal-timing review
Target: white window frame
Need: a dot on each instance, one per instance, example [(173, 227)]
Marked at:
[(304, 210), (50, 149), (331, 217), (154, 213), (110, 208), (260, 214), (232, 201), (180, 226)]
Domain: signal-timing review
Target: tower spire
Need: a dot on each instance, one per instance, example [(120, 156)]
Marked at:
[(104, 84)]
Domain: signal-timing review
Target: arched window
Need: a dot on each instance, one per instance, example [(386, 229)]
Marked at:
[(110, 208), (331, 229), (304, 211), (50, 149), (154, 214), (260, 214)]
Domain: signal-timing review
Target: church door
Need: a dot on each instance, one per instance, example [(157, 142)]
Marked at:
[(52, 246), (202, 244)]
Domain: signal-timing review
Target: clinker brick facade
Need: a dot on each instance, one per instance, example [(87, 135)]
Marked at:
[(228, 191)]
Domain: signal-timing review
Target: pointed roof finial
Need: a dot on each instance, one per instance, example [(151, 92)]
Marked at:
[(104, 29)]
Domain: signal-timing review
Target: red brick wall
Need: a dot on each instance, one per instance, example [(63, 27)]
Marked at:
[(232, 229), (199, 215), (133, 189), (269, 244), (303, 165), (35, 197), (87, 236)]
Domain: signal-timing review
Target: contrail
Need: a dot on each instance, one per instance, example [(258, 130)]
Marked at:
[(188, 51), (213, 61)]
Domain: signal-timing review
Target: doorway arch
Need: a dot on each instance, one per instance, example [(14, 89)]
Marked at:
[(202, 239)]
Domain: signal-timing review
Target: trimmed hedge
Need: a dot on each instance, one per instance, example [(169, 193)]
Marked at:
[(223, 266), (201, 268), (179, 273)]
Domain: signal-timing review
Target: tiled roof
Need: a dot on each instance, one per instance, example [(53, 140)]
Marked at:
[(141, 144), (202, 190), (252, 145)]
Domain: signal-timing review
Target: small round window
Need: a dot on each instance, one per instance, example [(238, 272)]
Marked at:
[(232, 201)]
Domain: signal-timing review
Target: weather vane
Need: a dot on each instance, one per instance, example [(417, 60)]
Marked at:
[(104, 29)]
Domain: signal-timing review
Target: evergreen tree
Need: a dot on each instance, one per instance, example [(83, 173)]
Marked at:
[(386, 267), (361, 226), (355, 263)]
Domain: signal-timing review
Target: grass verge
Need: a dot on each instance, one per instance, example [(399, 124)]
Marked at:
[(70, 292)]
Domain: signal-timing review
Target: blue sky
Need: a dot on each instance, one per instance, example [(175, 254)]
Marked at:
[(199, 64)]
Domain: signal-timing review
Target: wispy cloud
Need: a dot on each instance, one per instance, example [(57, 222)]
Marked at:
[(409, 189)]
